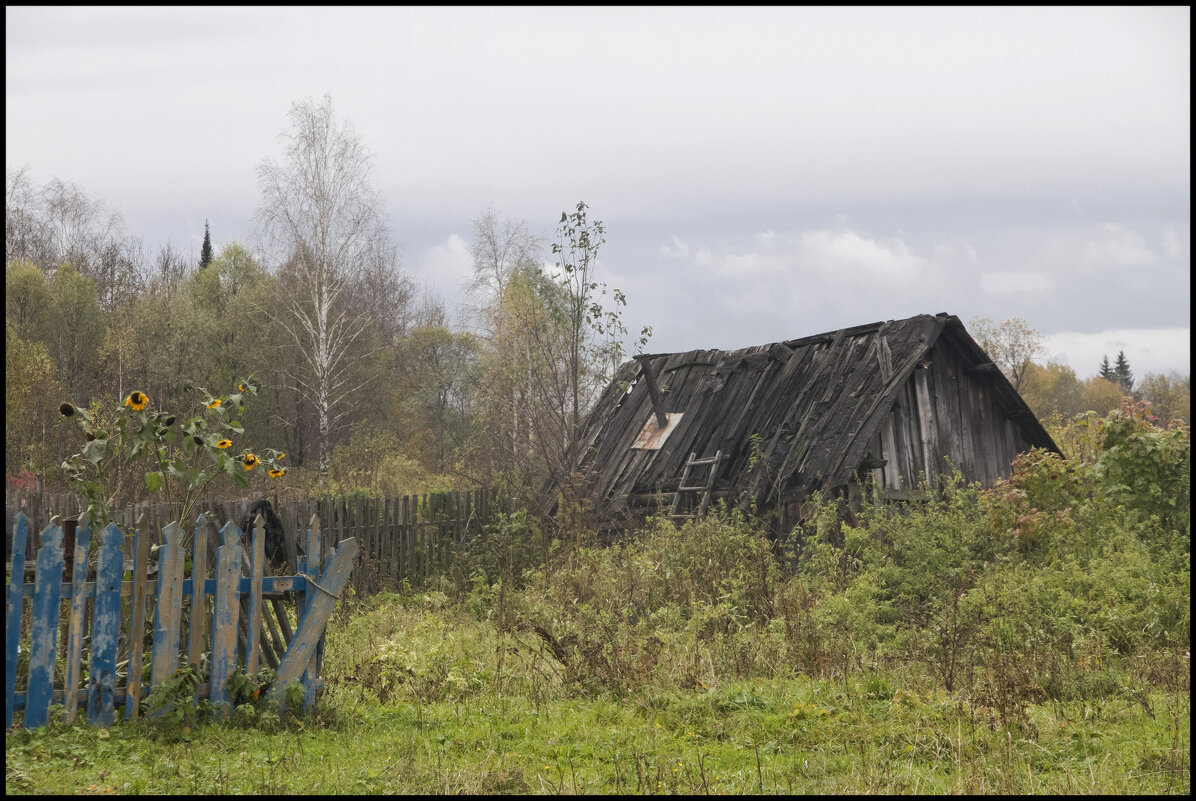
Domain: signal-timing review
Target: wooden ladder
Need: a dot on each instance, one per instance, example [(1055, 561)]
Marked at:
[(705, 489)]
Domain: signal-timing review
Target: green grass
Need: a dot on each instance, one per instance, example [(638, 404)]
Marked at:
[(1034, 638), (453, 724)]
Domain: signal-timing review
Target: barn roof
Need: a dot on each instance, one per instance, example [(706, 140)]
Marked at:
[(797, 415)]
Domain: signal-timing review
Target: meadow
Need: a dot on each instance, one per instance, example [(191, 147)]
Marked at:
[(1031, 638)]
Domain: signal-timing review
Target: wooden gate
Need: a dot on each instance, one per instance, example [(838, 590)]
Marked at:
[(118, 604)]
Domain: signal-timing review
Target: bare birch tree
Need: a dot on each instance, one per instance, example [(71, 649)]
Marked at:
[(498, 250), (323, 221)]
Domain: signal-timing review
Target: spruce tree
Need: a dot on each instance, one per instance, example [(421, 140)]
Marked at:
[(205, 253), (1106, 370), (1121, 369)]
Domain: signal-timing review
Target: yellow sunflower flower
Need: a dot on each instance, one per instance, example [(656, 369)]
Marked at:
[(136, 401), (250, 461), (224, 443), (280, 457), (278, 472), (215, 402), (242, 388)]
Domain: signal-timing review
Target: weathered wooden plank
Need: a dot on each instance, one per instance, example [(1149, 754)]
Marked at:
[(278, 646), (387, 538), (257, 556), (315, 552), (141, 535), (168, 617), (13, 615), (315, 619), (284, 622), (75, 630), (199, 606), (105, 627), (226, 613), (43, 645)]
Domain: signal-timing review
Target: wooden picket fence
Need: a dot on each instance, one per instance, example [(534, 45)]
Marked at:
[(405, 539), (101, 606)]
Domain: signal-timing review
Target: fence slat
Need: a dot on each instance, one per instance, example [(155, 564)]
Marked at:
[(225, 615), (314, 552), (74, 639), (168, 615), (253, 623), (44, 639), (199, 608), (12, 623), (105, 628), (136, 637)]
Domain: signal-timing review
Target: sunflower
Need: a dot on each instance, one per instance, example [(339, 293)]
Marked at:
[(242, 388), (249, 460), (278, 472), (215, 402), (136, 401), (224, 443), (280, 457)]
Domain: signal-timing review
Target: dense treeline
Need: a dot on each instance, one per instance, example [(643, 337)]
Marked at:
[(366, 383)]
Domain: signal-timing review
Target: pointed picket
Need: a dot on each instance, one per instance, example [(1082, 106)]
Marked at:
[(74, 640), (137, 628), (105, 628), (199, 574), (168, 617), (225, 616), (43, 645), (12, 620)]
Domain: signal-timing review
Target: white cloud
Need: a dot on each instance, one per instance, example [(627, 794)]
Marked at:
[(1111, 246), (994, 283), (834, 256), (1148, 350), (446, 267), (1172, 244), (675, 249), (846, 257)]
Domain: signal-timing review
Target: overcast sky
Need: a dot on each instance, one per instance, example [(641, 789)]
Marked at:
[(763, 174)]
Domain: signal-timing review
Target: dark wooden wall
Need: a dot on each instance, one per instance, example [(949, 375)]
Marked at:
[(946, 416)]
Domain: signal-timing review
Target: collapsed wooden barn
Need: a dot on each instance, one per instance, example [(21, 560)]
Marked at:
[(864, 412)]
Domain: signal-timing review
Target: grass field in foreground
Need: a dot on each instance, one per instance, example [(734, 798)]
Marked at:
[(786, 736)]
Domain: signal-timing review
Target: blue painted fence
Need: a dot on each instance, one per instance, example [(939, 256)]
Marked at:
[(119, 604)]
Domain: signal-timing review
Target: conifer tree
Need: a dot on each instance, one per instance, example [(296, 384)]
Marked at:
[(205, 253), (1106, 370), (1121, 368)]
